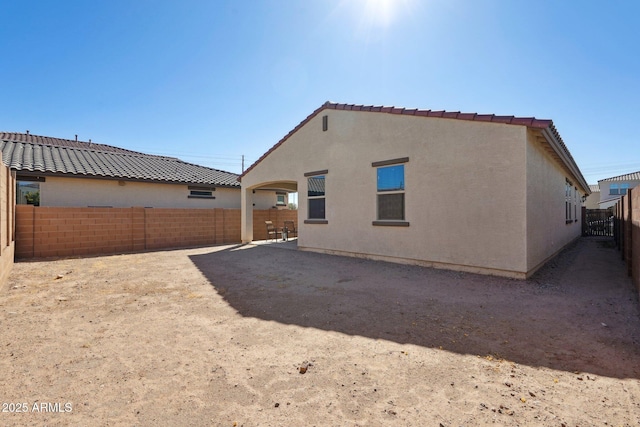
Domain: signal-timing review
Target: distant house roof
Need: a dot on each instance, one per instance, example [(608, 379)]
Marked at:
[(595, 188), (549, 131), (633, 176), (31, 154), (59, 142)]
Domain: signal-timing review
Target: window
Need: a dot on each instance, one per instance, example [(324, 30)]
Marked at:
[(201, 193), (316, 197), (390, 192), (567, 201), (280, 199), (28, 193), (316, 212), (618, 189), (624, 187), (575, 204)]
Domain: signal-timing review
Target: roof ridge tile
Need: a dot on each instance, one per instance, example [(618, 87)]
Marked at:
[(69, 160)]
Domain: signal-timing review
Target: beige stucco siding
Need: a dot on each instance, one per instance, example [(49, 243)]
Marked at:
[(547, 229), (465, 188), (593, 201), (63, 191)]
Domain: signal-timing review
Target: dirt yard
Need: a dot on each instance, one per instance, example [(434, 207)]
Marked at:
[(262, 336)]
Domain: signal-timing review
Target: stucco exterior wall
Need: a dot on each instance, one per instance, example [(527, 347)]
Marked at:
[(547, 229), (263, 199), (465, 189), (83, 192), (593, 201)]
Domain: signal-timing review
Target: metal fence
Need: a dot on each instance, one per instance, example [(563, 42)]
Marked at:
[(598, 222)]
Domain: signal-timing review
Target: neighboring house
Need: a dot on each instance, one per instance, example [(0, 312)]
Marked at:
[(61, 172), (593, 200), (611, 189), (479, 193)]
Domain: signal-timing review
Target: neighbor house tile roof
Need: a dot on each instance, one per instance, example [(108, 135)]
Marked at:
[(52, 156), (545, 125), (59, 142), (595, 188), (633, 176)]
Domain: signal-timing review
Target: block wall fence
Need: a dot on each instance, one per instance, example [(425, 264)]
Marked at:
[(627, 232), (43, 232)]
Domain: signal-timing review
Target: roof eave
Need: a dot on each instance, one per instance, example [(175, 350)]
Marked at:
[(551, 135), (545, 126)]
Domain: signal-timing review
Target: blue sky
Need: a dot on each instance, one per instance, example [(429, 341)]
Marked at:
[(210, 81)]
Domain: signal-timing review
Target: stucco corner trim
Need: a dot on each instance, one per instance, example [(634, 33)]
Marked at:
[(391, 223), (316, 221)]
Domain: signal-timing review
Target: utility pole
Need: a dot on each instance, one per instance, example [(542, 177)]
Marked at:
[(243, 163)]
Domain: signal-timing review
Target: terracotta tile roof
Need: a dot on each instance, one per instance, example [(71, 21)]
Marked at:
[(595, 188), (633, 176), (511, 120), (532, 122), (49, 156)]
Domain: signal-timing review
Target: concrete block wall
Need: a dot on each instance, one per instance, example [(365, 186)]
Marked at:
[(635, 236), (171, 228), (627, 213), (231, 225), (44, 232)]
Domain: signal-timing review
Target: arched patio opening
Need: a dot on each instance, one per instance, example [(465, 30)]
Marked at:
[(250, 193)]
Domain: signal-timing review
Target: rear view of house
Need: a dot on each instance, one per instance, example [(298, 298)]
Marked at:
[(480, 193)]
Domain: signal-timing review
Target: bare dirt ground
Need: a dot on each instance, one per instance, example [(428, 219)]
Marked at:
[(262, 336)]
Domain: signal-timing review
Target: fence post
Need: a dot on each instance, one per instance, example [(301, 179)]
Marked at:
[(623, 235), (634, 199), (629, 237)]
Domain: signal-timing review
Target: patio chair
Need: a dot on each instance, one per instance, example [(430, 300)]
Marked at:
[(272, 230), (290, 228)]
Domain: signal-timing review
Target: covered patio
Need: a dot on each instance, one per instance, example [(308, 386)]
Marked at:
[(249, 194)]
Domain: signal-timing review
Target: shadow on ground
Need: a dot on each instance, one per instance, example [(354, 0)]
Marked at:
[(579, 313)]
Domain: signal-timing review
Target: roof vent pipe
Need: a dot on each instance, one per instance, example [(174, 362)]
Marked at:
[(27, 131), (76, 137)]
